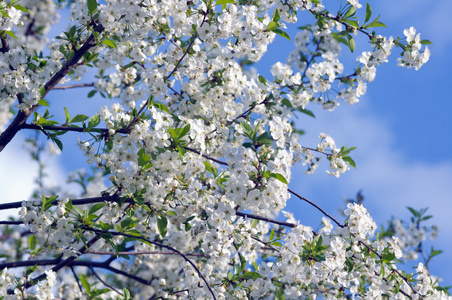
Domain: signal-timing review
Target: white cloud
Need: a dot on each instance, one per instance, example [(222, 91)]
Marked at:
[(19, 172)]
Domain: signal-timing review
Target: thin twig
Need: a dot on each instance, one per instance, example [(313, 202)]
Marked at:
[(76, 279), (97, 231), (104, 283), (318, 207), (143, 253), (71, 86)]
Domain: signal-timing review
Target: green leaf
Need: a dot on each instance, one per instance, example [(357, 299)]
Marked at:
[(94, 121), (126, 294), (230, 275), (306, 111), (21, 8), (42, 91), (350, 12), (211, 169), (79, 118), (350, 161), (58, 142), (32, 242), (162, 107), (172, 133), (368, 13), (281, 33), (247, 128), (84, 279), (11, 34), (434, 253), (92, 6), (110, 43), (351, 43), (272, 25), (426, 42), (143, 158), (344, 150), (262, 79), (272, 235), (162, 223), (387, 256), (92, 93), (67, 116), (254, 223), (375, 23), (276, 16), (286, 102), (43, 102), (95, 208), (279, 177), (220, 2), (185, 130), (251, 275), (47, 202)]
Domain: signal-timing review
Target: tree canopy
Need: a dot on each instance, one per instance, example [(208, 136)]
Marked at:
[(189, 165)]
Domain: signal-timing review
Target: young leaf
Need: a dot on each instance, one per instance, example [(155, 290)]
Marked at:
[(350, 12), (94, 121), (110, 43), (426, 42), (32, 242), (21, 8), (351, 43), (58, 142), (95, 208), (368, 13), (262, 79), (279, 177), (220, 2), (251, 275), (92, 6), (67, 116), (276, 16), (162, 223), (43, 102), (281, 33), (306, 111), (247, 128), (92, 93), (185, 130), (79, 118), (11, 34)]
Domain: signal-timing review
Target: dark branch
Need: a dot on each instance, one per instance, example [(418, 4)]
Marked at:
[(318, 207), (244, 215), (71, 86)]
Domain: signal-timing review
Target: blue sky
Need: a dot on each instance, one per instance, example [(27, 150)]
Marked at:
[(402, 129)]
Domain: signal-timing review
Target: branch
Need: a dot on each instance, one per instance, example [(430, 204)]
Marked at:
[(318, 207), (71, 86), (206, 156), (245, 215), (81, 201), (97, 231), (142, 253), (104, 283), (23, 115), (83, 263)]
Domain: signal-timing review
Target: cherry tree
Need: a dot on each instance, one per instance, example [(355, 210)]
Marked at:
[(191, 159)]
